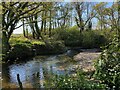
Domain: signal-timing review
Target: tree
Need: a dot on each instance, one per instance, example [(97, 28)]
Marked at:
[(81, 8), (119, 19), (100, 16), (107, 16), (12, 13), (31, 24), (112, 14)]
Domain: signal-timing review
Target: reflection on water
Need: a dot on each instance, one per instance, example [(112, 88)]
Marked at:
[(35, 71)]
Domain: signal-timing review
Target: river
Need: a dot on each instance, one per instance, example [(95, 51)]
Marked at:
[(34, 72)]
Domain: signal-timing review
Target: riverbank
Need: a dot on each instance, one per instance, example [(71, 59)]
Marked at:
[(23, 48)]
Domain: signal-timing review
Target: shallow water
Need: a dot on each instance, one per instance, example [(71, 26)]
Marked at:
[(40, 69), (37, 70)]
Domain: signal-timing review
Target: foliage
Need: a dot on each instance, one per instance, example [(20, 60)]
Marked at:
[(38, 42), (79, 81), (19, 51), (19, 40), (107, 33), (91, 39), (14, 12), (86, 39), (54, 44), (22, 40), (70, 36), (107, 15), (108, 65), (22, 47)]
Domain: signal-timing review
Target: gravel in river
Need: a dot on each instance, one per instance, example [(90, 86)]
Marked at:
[(86, 60)]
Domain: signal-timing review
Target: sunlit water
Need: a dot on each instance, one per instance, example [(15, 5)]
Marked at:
[(38, 69)]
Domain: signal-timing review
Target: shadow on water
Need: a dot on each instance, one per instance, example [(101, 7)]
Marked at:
[(34, 72)]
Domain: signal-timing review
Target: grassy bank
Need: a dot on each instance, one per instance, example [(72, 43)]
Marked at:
[(22, 48)]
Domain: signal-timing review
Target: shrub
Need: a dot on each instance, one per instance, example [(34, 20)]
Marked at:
[(74, 82), (19, 51), (55, 45), (87, 39), (49, 45), (108, 65), (91, 39), (58, 46), (71, 36), (23, 47)]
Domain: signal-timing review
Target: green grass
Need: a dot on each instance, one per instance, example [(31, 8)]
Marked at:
[(15, 39)]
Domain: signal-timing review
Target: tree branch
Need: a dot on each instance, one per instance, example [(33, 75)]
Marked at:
[(27, 23), (90, 18)]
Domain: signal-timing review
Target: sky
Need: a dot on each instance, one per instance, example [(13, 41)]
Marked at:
[(20, 30)]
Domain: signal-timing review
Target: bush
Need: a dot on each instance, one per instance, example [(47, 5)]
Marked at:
[(19, 51), (38, 42), (108, 65), (74, 38), (22, 48), (79, 81), (58, 46), (71, 36), (54, 45), (91, 39), (87, 39)]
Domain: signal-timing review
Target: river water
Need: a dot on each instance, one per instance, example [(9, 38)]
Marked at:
[(38, 70)]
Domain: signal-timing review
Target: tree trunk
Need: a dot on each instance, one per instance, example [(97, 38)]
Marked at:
[(37, 28), (45, 13), (26, 32), (5, 43), (23, 28), (33, 33), (50, 25), (55, 23)]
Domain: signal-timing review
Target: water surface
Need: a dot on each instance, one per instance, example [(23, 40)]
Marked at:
[(37, 70)]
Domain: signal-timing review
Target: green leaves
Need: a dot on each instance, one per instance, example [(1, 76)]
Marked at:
[(108, 65), (79, 81)]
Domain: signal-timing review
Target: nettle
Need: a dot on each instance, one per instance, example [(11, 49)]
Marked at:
[(108, 65)]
